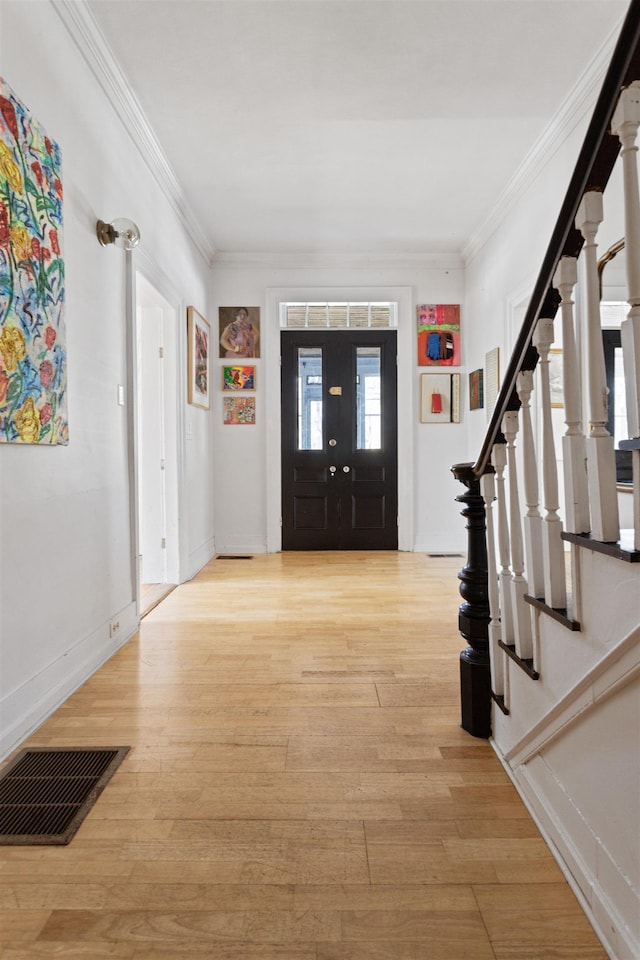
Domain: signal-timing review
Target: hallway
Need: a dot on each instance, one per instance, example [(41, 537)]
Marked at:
[(298, 788)]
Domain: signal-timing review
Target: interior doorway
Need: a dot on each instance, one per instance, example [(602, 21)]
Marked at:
[(156, 427), (339, 440)]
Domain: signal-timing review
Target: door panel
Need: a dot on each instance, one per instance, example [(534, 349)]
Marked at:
[(339, 440)]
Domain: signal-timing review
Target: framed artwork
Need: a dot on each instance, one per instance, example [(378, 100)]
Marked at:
[(476, 390), (492, 379), (33, 349), (198, 351), (438, 334), (239, 410), (440, 398), (555, 377), (239, 332), (238, 378)]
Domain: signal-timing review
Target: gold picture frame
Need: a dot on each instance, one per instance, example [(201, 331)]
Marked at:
[(198, 350)]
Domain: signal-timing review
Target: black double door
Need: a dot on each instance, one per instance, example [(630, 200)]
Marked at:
[(339, 440)]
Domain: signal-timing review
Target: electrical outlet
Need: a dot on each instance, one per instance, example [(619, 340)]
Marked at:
[(114, 626)]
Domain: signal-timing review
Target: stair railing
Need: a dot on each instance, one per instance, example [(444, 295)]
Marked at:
[(503, 582)]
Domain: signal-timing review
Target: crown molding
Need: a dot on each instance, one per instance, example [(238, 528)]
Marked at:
[(364, 261), (90, 41), (578, 102)]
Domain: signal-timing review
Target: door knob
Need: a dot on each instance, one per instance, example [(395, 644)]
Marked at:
[(332, 470), (332, 443), (346, 469)]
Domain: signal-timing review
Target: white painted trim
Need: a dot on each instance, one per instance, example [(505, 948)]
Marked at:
[(92, 44), (363, 261), (199, 558), (406, 388), (240, 543), (578, 102), (599, 910), (615, 669), (28, 706), (159, 280), (131, 400)]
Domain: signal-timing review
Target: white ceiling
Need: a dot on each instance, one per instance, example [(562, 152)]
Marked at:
[(379, 127)]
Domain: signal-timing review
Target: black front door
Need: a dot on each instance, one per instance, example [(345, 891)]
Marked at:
[(339, 440)]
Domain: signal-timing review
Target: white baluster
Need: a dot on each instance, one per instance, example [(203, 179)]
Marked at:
[(626, 120), (601, 467), (555, 590), (499, 461), (487, 486), (521, 610), (532, 520), (574, 453)]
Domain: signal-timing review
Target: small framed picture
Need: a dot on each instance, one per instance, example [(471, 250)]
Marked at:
[(198, 358), (440, 398), (238, 378), (476, 389), (491, 379), (238, 411), (555, 377)]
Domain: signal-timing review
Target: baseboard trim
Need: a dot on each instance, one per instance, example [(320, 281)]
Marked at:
[(200, 558), (46, 691), (615, 936)]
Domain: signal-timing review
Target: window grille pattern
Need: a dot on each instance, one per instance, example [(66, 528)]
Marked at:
[(338, 316)]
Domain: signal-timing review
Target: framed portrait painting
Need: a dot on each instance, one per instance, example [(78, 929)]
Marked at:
[(198, 336), (239, 332)]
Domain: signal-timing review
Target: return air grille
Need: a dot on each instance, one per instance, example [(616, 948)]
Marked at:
[(45, 794)]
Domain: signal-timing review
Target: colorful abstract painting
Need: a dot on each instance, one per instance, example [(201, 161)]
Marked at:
[(239, 410), (33, 355), (238, 378), (198, 352), (438, 334)]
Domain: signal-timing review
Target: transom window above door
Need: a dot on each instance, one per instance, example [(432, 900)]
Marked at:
[(338, 316)]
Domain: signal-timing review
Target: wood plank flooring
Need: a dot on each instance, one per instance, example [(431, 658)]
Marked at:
[(298, 788)]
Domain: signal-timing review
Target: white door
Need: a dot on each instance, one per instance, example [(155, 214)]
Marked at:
[(151, 486), (157, 435)]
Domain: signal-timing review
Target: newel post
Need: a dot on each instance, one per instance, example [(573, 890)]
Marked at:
[(474, 614)]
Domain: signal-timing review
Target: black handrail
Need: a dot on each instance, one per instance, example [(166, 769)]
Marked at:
[(592, 172)]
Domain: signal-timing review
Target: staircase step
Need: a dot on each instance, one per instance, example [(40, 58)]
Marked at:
[(621, 549), (526, 665), (557, 613)]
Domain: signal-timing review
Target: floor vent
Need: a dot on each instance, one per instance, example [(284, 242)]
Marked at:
[(45, 794), (234, 556), (445, 554)]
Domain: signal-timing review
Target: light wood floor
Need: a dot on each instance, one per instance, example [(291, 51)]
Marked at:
[(299, 787)]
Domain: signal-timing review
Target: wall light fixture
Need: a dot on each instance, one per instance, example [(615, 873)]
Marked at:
[(122, 232)]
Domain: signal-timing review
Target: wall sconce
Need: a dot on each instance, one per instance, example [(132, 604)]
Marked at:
[(124, 233)]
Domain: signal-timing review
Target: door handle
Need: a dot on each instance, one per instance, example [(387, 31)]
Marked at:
[(346, 469), (332, 470)]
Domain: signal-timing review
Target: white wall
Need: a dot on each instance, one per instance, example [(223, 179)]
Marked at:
[(241, 495), (66, 561)]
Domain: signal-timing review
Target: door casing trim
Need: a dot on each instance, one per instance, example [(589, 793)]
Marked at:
[(403, 296)]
